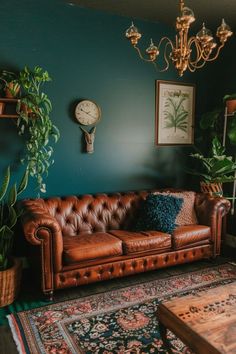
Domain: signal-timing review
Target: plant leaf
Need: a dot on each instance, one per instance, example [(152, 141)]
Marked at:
[(12, 195), (23, 182), (5, 183)]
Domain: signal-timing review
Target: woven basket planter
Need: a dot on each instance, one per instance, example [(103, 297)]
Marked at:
[(215, 189), (10, 283)]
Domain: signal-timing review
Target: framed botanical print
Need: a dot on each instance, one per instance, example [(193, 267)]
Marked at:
[(175, 104)]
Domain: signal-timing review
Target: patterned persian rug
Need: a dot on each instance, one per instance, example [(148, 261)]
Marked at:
[(119, 321)]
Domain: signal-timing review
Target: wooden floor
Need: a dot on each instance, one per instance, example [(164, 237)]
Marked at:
[(7, 345)]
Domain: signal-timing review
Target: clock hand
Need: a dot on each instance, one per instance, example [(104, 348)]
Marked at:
[(88, 113)]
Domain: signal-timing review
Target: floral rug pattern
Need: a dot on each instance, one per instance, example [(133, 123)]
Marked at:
[(120, 321)]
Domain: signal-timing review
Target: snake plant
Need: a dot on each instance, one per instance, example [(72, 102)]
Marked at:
[(9, 214)]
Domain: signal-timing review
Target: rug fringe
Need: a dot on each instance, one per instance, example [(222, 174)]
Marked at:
[(233, 263), (15, 335)]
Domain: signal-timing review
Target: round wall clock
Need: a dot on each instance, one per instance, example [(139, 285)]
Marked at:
[(87, 112)]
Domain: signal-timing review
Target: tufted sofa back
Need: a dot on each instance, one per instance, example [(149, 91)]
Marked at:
[(91, 213)]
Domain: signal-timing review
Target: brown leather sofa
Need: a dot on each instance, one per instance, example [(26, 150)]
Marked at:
[(85, 239)]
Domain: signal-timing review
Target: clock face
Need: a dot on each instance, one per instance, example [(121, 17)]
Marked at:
[(87, 112)]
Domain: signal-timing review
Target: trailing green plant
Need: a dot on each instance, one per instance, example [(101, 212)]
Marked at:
[(10, 82), (34, 110), (217, 168), (9, 215), (175, 114)]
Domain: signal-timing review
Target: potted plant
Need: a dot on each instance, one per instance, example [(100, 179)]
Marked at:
[(215, 169), (34, 110), (230, 102), (11, 85), (10, 269)]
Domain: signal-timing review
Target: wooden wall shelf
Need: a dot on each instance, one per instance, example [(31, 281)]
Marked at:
[(9, 101), (9, 116)]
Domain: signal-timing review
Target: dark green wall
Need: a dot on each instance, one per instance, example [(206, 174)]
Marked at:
[(88, 57)]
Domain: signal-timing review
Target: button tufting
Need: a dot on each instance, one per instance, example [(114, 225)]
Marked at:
[(62, 278), (90, 207), (111, 269), (87, 274), (120, 205)]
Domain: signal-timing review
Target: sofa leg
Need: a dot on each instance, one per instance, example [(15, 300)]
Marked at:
[(49, 295)]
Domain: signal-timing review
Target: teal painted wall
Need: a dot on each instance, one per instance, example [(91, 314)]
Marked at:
[(87, 56)]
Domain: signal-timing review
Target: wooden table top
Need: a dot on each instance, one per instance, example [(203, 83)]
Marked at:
[(205, 320)]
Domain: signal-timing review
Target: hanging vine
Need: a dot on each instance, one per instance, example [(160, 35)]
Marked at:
[(34, 108)]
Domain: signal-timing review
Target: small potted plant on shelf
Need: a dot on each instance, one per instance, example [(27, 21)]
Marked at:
[(34, 110), (10, 85), (230, 102), (10, 268), (215, 169)]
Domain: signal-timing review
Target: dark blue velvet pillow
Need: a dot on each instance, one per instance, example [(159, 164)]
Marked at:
[(158, 212)]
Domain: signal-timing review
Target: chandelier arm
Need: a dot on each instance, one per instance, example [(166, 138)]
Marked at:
[(141, 56), (217, 53), (165, 58), (191, 41), (191, 69), (200, 52), (200, 55), (168, 41), (195, 66)]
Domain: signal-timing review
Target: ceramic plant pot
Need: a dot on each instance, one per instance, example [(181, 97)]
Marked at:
[(231, 106), (12, 90)]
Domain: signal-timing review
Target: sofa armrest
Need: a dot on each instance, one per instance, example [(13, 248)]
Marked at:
[(42, 229), (210, 211)]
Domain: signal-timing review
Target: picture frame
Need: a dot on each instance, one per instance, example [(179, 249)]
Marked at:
[(175, 111)]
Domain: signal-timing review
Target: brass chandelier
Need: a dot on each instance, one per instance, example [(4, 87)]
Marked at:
[(185, 53)]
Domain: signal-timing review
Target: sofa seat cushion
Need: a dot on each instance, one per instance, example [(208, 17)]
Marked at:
[(142, 241), (90, 246), (190, 234)]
